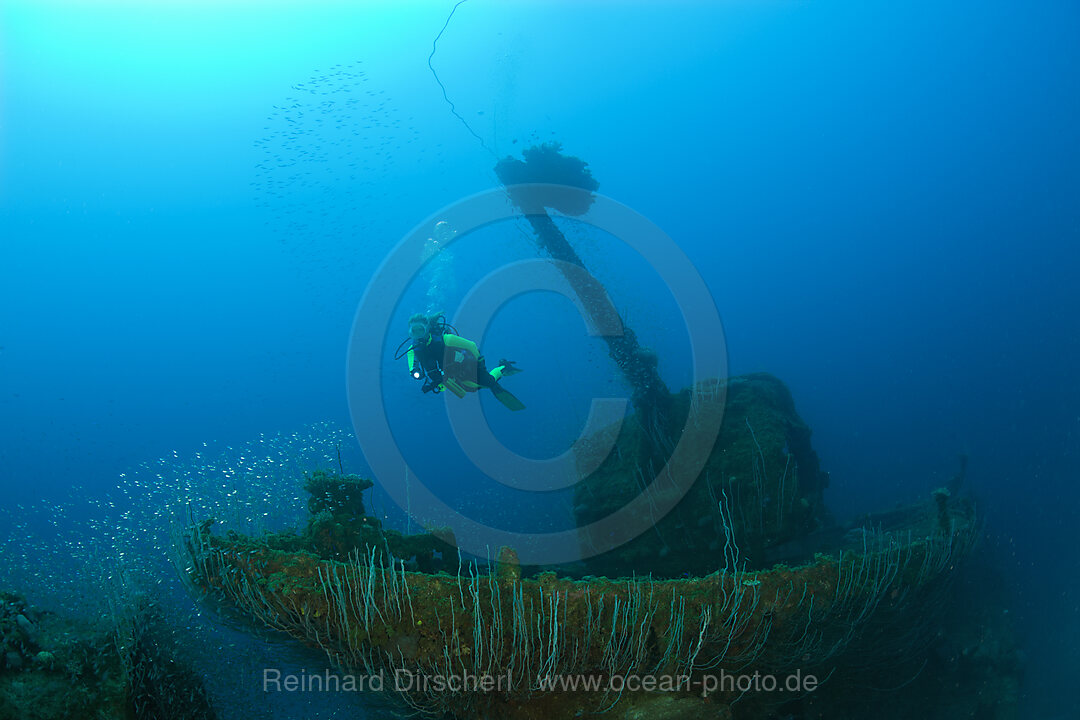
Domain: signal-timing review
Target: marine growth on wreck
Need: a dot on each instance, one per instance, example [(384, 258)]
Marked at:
[(379, 602)]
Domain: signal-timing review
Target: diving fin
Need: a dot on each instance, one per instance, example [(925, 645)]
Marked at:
[(507, 398)]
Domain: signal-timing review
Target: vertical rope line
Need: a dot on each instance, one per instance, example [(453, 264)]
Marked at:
[(446, 97)]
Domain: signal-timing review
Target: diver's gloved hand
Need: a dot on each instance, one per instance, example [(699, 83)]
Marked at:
[(434, 382)]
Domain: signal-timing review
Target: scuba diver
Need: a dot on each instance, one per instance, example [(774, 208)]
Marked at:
[(444, 360)]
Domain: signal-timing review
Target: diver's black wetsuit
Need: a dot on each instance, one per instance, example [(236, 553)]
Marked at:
[(436, 356)]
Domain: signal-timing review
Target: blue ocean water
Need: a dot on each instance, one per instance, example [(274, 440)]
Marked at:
[(881, 197)]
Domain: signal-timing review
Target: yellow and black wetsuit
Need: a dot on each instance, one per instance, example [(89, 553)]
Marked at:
[(451, 362)]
